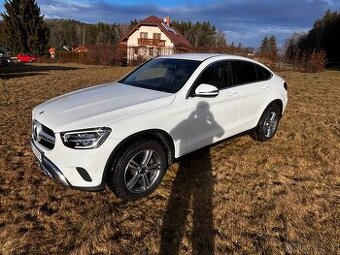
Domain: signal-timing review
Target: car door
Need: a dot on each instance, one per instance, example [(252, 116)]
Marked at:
[(254, 91), (23, 58), (211, 119)]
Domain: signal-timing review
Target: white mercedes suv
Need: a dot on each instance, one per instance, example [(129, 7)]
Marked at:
[(125, 134)]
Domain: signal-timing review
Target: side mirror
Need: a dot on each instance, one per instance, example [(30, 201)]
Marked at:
[(206, 90)]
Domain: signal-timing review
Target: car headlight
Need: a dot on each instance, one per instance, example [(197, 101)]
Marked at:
[(85, 139)]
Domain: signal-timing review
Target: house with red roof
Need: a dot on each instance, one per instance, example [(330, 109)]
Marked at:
[(152, 37)]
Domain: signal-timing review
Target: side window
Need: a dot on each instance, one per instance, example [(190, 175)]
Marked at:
[(267, 74), (243, 72), (228, 74), (262, 73), (143, 35), (218, 74), (156, 36)]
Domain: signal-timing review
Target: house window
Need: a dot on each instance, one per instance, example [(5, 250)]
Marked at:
[(144, 35), (157, 52), (156, 36), (151, 52)]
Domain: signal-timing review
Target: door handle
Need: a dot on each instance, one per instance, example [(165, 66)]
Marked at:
[(266, 86), (232, 93)]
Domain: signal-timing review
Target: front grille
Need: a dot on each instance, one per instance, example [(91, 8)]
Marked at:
[(43, 135)]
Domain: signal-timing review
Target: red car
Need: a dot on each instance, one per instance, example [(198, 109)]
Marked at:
[(26, 58)]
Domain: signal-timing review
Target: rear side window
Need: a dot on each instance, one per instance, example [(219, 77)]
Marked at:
[(262, 73), (243, 72)]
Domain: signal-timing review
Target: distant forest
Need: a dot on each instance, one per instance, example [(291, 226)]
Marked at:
[(73, 33), (324, 36)]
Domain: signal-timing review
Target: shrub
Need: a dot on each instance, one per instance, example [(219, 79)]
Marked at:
[(310, 62), (316, 62), (95, 54)]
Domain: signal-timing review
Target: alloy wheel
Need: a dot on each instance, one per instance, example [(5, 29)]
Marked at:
[(270, 124), (142, 171)]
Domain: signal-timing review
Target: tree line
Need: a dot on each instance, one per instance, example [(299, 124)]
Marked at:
[(200, 34), (323, 37), (73, 33), (24, 29)]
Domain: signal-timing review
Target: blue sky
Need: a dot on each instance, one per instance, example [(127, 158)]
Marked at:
[(245, 21)]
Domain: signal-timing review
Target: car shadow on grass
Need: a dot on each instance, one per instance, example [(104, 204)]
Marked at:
[(19, 75), (15, 70)]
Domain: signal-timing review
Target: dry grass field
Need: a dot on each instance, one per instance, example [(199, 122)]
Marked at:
[(238, 197)]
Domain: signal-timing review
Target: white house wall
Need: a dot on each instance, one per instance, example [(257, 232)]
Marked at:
[(133, 39), (134, 49)]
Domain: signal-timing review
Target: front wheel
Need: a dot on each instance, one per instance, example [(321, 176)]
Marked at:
[(138, 170), (267, 126)]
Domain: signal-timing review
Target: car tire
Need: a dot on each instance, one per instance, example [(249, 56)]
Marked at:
[(267, 126), (138, 170)]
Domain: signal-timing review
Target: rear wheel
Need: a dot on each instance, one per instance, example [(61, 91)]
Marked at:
[(267, 126), (138, 170)]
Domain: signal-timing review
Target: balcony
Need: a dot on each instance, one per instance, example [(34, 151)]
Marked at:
[(151, 42)]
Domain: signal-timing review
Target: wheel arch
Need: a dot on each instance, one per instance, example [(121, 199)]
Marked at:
[(254, 131), (278, 103), (157, 134)]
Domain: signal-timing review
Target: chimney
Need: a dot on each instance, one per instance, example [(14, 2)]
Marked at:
[(168, 21)]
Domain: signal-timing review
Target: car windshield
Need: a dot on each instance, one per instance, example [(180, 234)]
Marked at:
[(163, 74)]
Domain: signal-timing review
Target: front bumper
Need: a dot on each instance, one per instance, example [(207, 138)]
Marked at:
[(48, 167), (51, 170)]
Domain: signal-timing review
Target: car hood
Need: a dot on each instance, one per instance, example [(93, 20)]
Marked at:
[(98, 106)]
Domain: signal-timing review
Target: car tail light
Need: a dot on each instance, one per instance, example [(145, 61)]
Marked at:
[(285, 85)]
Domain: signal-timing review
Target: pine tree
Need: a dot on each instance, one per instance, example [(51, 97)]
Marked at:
[(199, 34), (24, 29), (272, 44), (268, 48), (11, 36), (264, 46), (220, 39)]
